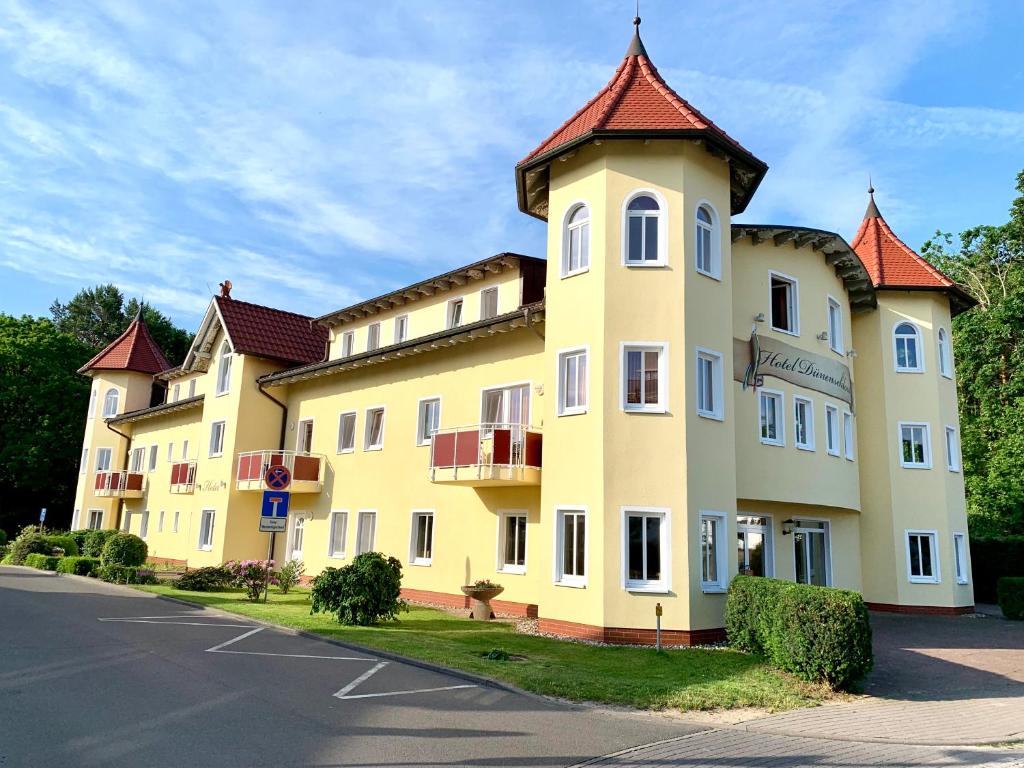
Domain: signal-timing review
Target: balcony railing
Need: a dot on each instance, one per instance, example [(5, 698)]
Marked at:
[(121, 484), (183, 477), (307, 470), (486, 454)]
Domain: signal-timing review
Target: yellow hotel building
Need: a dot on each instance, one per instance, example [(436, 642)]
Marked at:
[(666, 400)]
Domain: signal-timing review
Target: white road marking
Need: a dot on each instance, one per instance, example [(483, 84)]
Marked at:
[(292, 655), (361, 679), (183, 623), (401, 693), (174, 616), (235, 640)]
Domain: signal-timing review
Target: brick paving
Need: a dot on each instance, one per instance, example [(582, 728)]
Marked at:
[(732, 748)]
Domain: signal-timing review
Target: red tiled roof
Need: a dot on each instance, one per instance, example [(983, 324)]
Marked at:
[(272, 333), (133, 350)]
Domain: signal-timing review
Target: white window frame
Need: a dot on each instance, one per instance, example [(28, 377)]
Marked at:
[(137, 459), (933, 537), (769, 538), (954, 463), (176, 393), (834, 320), (102, 451), (661, 347), (808, 444), (336, 518), (414, 558), (945, 353), (927, 464), (722, 543), (373, 336), (83, 464), (302, 426), (560, 577), (206, 546), (828, 543), (218, 450), (367, 423), (503, 516), (191, 388), (848, 437), (184, 449), (780, 416), (562, 362), (491, 291), (423, 439), (170, 451), (224, 365), (95, 519), (177, 520), (76, 519), (662, 217), (664, 585), (401, 328), (449, 312), (160, 522), (832, 430), (111, 404), (355, 426), (361, 516), (794, 309), (567, 232), (918, 346), (715, 257), (717, 384), (144, 524), (93, 397), (960, 557), (153, 456), (348, 343)]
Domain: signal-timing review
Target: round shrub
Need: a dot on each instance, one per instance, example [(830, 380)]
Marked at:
[(28, 544), (80, 537), (95, 541), (363, 592), (125, 549), (64, 542), (1010, 592)]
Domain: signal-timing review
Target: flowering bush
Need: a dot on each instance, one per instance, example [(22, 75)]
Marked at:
[(253, 576), (485, 584), (290, 574)]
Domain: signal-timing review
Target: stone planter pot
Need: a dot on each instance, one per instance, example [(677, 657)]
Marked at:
[(480, 601)]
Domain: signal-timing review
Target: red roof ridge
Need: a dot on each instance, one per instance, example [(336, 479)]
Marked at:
[(134, 350), (264, 306)]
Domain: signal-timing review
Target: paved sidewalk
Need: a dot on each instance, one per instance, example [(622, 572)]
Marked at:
[(729, 748)]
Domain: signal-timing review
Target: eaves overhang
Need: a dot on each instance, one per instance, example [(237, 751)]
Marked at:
[(158, 410)]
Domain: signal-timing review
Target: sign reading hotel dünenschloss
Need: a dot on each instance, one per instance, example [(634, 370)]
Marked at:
[(797, 366)]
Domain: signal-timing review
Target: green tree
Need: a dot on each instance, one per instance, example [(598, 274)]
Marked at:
[(42, 407), (988, 342), (96, 316)]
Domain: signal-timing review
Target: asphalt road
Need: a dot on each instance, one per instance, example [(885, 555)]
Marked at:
[(201, 688)]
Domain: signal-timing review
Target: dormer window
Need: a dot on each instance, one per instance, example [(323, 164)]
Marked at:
[(110, 401), (488, 303), (907, 345), (708, 259), (224, 369), (454, 313), (577, 242), (643, 222), (372, 337)]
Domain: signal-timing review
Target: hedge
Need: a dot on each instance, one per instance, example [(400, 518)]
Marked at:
[(126, 574), (95, 541), (1010, 592), (212, 578), (125, 549), (66, 543), (80, 566), (820, 634), (993, 558), (42, 562), (27, 544), (3, 537)]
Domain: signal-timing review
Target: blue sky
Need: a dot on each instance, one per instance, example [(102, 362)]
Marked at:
[(315, 153)]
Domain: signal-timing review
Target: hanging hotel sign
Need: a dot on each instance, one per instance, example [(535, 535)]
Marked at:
[(786, 362)]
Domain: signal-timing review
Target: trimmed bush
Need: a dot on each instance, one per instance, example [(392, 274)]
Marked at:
[(95, 541), (1010, 591), (80, 537), (126, 574), (42, 562), (27, 544), (3, 537), (820, 634), (993, 558), (80, 566), (125, 549), (212, 578), (364, 592), (64, 542)]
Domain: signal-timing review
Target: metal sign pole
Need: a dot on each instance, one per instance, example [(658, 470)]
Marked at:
[(657, 627), (270, 556)]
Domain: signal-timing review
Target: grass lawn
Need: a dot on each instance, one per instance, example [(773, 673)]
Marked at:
[(686, 678)]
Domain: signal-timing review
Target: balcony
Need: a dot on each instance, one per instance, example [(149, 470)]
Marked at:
[(307, 470), (486, 455), (123, 484), (183, 477)]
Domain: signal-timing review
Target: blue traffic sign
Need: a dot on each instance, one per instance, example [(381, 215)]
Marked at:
[(42, 514), (274, 513)]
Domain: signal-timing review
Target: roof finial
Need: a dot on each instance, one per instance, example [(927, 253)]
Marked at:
[(872, 211), (871, 187), (225, 289), (636, 46)]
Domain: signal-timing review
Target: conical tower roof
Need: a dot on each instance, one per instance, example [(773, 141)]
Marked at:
[(133, 350), (636, 103)]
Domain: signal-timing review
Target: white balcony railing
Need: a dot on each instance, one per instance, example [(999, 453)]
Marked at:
[(183, 477), (307, 470), (487, 454), (119, 483)]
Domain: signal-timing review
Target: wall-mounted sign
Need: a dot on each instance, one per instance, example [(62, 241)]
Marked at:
[(797, 366), (211, 485)]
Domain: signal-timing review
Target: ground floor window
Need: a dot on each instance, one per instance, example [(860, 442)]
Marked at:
[(922, 565), (753, 545), (298, 537), (422, 538), (144, 525), (206, 520), (177, 517), (811, 553), (126, 521), (770, 412), (95, 519), (960, 557), (75, 519), (513, 542), (366, 531), (339, 524), (160, 522), (646, 549), (712, 552), (571, 547)]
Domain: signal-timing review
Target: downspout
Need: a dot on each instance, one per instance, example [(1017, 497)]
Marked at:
[(284, 414), (532, 326), (124, 467)]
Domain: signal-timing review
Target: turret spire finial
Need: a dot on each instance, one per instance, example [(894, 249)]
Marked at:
[(872, 211), (636, 46)]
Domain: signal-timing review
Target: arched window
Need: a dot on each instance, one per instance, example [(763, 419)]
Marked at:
[(224, 369), (907, 341), (707, 259), (110, 401), (945, 357), (643, 220), (577, 241)]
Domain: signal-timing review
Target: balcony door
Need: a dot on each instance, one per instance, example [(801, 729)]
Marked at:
[(810, 540), (506, 408), (298, 536)]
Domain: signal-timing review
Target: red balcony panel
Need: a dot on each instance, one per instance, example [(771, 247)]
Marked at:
[(101, 480), (534, 449), (306, 468), (134, 482), (467, 448), (443, 451), (249, 467), (502, 451)]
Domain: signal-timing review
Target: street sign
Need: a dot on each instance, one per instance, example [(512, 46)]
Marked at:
[(274, 513), (278, 478), (42, 514)]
